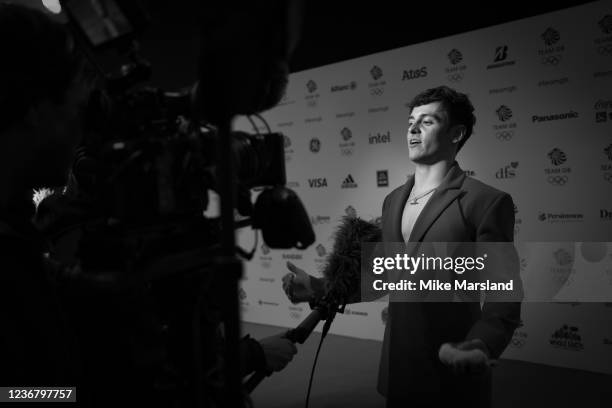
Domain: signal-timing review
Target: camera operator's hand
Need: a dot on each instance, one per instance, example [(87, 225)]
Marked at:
[(468, 357), (278, 350), (297, 285)]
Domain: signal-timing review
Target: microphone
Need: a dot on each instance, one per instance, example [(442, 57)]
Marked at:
[(343, 269)]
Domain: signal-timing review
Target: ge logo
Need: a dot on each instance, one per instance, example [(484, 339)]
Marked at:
[(608, 177), (605, 49), (456, 77), (376, 91), (518, 343), (505, 135), (553, 60), (557, 180)]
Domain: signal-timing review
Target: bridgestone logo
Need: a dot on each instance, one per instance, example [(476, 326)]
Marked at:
[(557, 116)]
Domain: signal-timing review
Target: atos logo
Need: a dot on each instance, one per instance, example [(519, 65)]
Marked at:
[(414, 73), (315, 145), (504, 113), (455, 56), (501, 53), (346, 134), (608, 152), (605, 24), (557, 157), (321, 251), (311, 86), (317, 182), (550, 36), (376, 72)]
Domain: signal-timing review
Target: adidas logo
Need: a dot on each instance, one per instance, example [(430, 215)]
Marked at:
[(349, 182)]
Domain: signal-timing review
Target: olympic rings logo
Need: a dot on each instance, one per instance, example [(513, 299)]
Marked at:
[(551, 60), (505, 135), (557, 180), (518, 343), (376, 91), (456, 77), (605, 49), (608, 177)]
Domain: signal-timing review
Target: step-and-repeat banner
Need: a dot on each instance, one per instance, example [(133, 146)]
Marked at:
[(542, 89)]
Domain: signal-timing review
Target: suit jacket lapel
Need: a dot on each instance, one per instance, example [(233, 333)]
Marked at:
[(446, 192), (396, 210)]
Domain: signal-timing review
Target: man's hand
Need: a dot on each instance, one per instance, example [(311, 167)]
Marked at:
[(297, 285), (279, 351), (468, 357)]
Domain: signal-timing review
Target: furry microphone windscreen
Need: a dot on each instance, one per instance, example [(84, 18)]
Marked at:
[(344, 262)]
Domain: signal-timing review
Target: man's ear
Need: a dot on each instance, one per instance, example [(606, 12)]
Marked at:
[(459, 133)]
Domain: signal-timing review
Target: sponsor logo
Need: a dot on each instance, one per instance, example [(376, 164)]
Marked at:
[(293, 184), (288, 150), (351, 86), (311, 86), (501, 58), (295, 312), (320, 219), (349, 182), (555, 116), (560, 217), (345, 115), (313, 119), (296, 257), (376, 88), (551, 82), (605, 215), (506, 89), (315, 145), (355, 312), (603, 111), (507, 172), (380, 138), (550, 36), (321, 251), (378, 109), (517, 221), (456, 71), (557, 157), (267, 280), (265, 249), (603, 45), (382, 178), (350, 211), (519, 339), (504, 135), (414, 73), (242, 295), (563, 257), (284, 124), (504, 113), (558, 175), (347, 146), (470, 173), (317, 182), (455, 56), (568, 338)]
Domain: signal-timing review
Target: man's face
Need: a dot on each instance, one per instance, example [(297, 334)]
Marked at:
[(430, 134)]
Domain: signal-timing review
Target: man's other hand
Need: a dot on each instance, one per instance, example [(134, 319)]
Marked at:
[(278, 350), (297, 285), (468, 357)]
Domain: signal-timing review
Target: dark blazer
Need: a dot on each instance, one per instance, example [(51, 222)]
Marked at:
[(462, 209)]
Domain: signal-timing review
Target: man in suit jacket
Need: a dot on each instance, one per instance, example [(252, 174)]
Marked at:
[(439, 353)]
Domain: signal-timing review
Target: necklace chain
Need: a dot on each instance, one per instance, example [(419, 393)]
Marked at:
[(414, 201)]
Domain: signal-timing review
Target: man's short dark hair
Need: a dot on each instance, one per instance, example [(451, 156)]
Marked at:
[(37, 61), (457, 104)]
